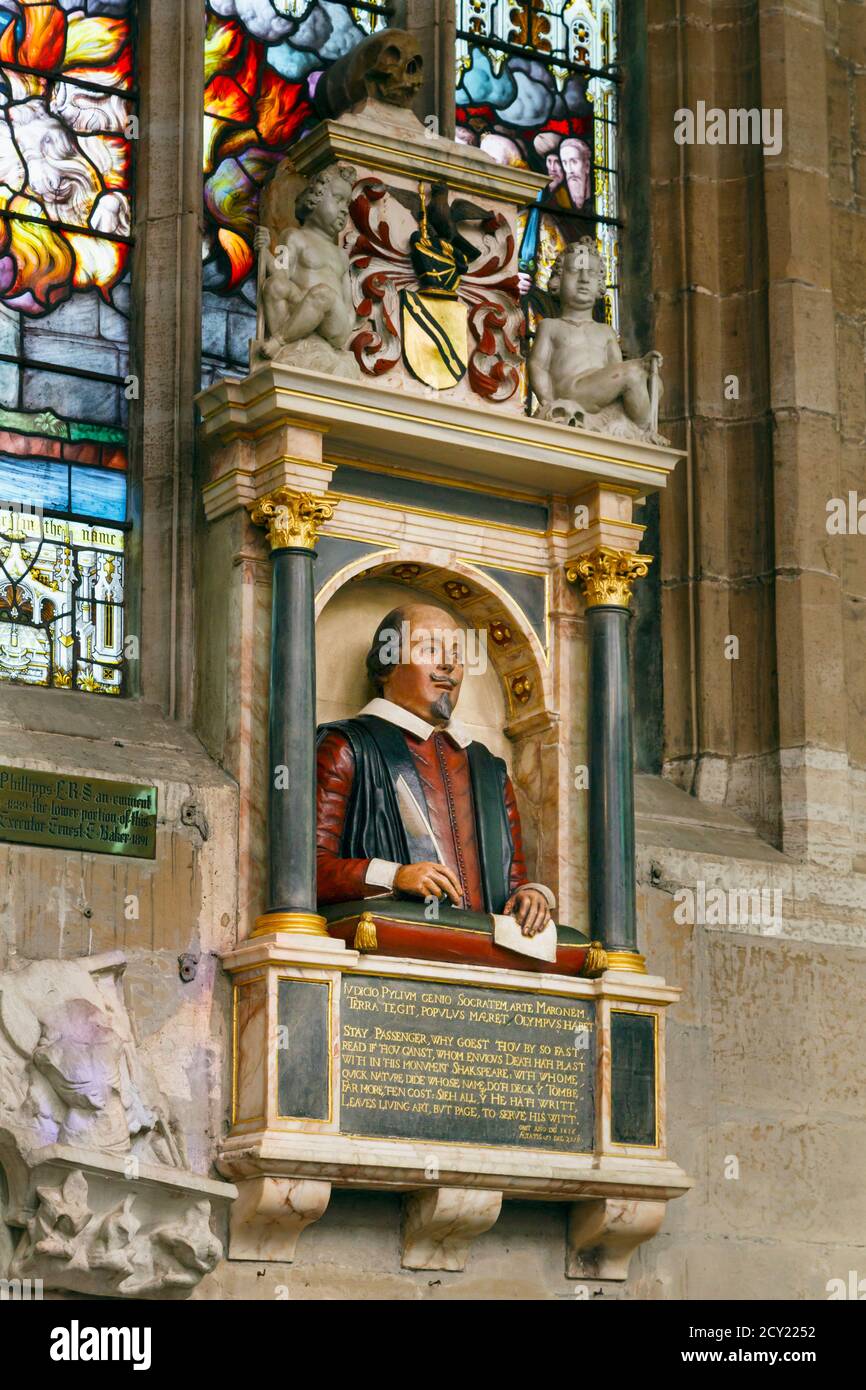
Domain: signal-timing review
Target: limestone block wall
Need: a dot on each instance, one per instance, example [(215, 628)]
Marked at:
[(766, 1112), (759, 309), (846, 127), (60, 905)]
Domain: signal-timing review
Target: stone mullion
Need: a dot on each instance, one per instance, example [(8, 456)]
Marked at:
[(433, 23), (166, 329)]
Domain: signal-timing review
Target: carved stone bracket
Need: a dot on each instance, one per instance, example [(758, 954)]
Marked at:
[(440, 1224), (98, 1225), (270, 1214), (603, 1234)]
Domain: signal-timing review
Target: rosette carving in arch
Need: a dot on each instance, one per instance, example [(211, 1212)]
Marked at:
[(512, 646)]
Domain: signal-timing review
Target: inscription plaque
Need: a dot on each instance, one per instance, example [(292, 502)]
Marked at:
[(466, 1064), (62, 811)]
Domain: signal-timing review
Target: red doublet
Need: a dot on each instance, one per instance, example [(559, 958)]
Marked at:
[(443, 768)]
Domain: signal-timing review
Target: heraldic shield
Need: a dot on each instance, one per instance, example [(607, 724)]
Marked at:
[(435, 338)]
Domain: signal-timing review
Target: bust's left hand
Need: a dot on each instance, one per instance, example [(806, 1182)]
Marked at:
[(531, 910)]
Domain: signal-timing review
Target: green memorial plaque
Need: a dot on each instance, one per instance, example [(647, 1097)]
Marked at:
[(62, 811), (466, 1064)]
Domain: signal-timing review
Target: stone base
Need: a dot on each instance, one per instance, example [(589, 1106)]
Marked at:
[(313, 354), (400, 1165), (304, 1006)]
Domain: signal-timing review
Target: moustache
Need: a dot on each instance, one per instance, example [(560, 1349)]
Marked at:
[(444, 680)]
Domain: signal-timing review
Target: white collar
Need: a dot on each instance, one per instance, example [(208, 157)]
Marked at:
[(405, 719)]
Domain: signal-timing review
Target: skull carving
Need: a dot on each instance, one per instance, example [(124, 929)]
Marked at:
[(397, 71), (387, 67), (562, 412)]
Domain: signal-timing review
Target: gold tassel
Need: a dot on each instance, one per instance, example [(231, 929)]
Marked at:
[(365, 933), (596, 960)]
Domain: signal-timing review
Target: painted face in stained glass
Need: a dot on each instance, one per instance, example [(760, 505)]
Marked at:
[(64, 150), (537, 85)]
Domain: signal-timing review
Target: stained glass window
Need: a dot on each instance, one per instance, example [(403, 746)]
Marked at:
[(262, 61), (67, 122), (537, 84)]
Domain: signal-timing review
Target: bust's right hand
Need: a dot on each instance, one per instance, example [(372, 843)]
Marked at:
[(262, 239), (428, 880)]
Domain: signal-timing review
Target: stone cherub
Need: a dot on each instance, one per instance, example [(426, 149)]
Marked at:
[(576, 366), (306, 313)]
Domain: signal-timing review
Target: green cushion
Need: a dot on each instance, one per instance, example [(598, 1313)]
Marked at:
[(413, 910)]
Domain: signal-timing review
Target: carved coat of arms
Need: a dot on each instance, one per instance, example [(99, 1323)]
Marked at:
[(435, 288)]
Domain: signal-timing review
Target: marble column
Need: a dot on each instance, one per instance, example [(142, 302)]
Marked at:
[(292, 520), (607, 576)]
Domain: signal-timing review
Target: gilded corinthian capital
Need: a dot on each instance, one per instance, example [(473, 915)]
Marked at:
[(292, 518), (607, 575)]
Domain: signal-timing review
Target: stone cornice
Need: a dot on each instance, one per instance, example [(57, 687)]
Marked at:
[(477, 441), (391, 141)]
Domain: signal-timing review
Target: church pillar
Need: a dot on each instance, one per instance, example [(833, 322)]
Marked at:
[(607, 574), (292, 520)]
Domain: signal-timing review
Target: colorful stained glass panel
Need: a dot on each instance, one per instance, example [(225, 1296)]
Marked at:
[(61, 602), (262, 61), (537, 86), (67, 130)]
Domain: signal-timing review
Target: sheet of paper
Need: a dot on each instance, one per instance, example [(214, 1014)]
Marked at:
[(506, 932)]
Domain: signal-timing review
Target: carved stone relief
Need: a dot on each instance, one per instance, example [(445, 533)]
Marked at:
[(93, 1162)]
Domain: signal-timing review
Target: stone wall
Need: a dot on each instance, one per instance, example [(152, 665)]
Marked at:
[(764, 1053), (756, 274), (846, 123)]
